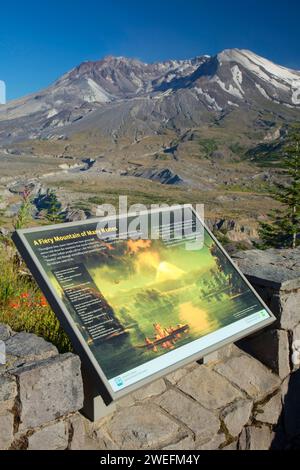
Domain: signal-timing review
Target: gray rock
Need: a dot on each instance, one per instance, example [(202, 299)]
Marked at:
[(214, 443), (201, 421), (19, 187), (11, 363), (269, 412), (73, 215), (255, 438), (249, 375), (8, 392), (271, 347), (125, 402), (49, 389), (13, 209), (278, 269), (296, 333), (4, 231), (29, 347), (52, 437), (209, 388), (5, 332), (187, 443), (89, 444), (275, 274), (142, 427), (102, 440), (231, 446), (236, 415), (163, 176), (6, 430), (155, 388), (228, 351), (77, 432), (289, 310), (274, 277), (174, 377)]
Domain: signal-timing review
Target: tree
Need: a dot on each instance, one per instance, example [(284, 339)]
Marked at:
[(53, 208), (283, 229)]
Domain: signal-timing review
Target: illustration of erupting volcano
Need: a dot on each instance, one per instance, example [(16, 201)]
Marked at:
[(149, 259)]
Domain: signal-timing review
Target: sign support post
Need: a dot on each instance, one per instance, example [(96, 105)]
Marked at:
[(94, 407)]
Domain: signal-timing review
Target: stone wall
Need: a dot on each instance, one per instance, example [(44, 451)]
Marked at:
[(40, 390), (233, 402), (275, 275)]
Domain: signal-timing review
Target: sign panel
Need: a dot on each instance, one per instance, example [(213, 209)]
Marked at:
[(137, 308)]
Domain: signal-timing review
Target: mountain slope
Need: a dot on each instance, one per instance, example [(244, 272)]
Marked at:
[(125, 97)]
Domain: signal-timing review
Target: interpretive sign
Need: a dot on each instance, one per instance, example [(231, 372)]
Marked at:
[(137, 306)]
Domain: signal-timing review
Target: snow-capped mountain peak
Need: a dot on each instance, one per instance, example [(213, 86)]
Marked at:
[(122, 93), (274, 82)]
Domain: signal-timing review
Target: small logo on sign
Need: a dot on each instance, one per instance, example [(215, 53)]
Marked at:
[(119, 382), (2, 353)]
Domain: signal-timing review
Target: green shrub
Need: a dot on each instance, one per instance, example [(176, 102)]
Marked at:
[(208, 146)]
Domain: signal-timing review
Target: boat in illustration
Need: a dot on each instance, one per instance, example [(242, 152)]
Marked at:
[(164, 337)]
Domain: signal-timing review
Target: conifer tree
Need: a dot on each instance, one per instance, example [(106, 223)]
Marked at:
[(53, 208), (283, 229)]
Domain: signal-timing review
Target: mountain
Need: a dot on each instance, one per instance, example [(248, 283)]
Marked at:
[(120, 97)]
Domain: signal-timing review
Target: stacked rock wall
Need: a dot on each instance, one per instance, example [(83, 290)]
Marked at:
[(39, 390), (275, 275)]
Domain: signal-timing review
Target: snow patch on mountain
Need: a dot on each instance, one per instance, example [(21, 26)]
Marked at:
[(209, 99), (277, 71), (96, 93), (162, 95), (296, 92), (258, 64), (263, 68), (262, 91), (52, 113), (237, 76), (281, 78), (233, 104), (231, 89)]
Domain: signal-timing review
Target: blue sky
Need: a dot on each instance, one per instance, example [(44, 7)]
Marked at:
[(40, 40)]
